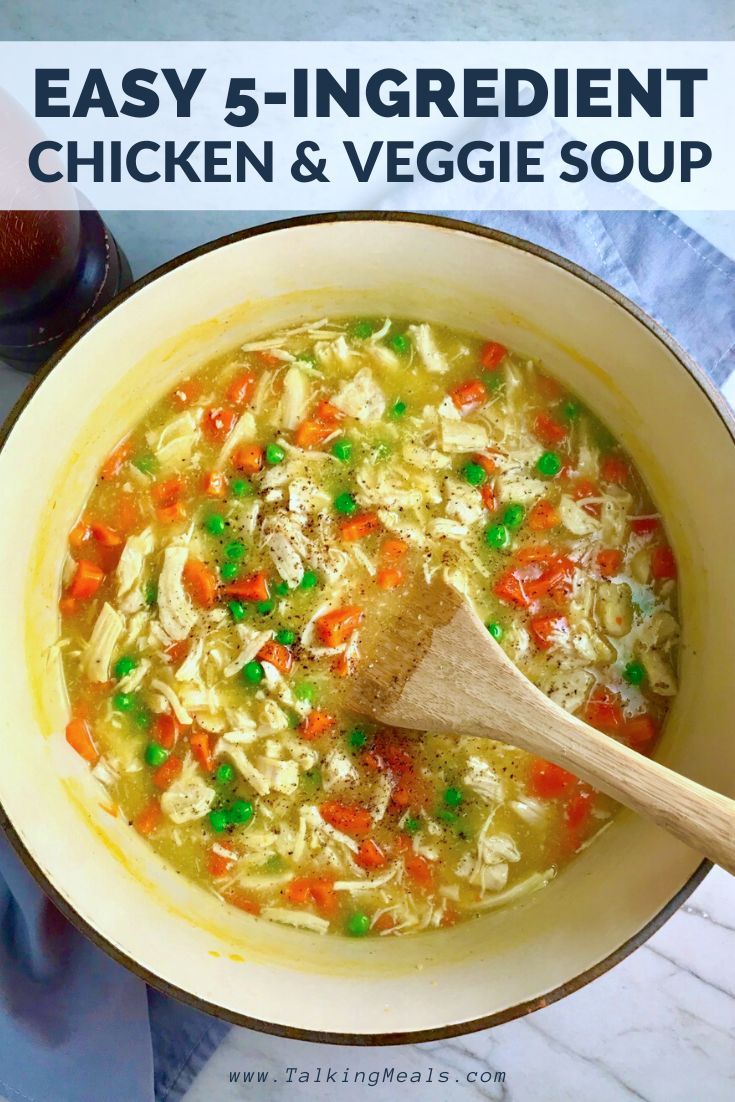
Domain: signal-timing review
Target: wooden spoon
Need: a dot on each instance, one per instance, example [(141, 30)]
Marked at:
[(437, 669)]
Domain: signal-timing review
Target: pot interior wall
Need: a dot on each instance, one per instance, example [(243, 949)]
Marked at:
[(105, 872)]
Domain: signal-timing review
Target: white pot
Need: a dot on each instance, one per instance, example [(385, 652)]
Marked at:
[(105, 877)]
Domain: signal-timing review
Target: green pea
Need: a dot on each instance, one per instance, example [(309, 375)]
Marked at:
[(280, 589), (253, 672), (238, 611), (145, 463), (124, 666), (304, 690), (150, 593), (240, 487), (285, 637), (306, 358), (345, 504), (513, 516), (474, 474), (235, 550), (358, 925), (155, 754), (218, 820), (453, 797), (264, 608), (570, 410), (498, 536), (274, 454), (123, 702), (229, 571), (342, 450), (309, 580), (312, 778), (357, 738), (446, 816), (400, 343), (549, 464), (241, 811), (398, 408), (362, 329), (142, 718), (495, 629), (225, 773), (411, 825), (215, 524), (634, 673)]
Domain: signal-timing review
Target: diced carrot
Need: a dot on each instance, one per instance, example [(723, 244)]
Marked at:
[(578, 810), (328, 414), (214, 484), (201, 582), (419, 870), (604, 710), (487, 462), (167, 492), (116, 460), (389, 577), (149, 819), (548, 430), (488, 497), (548, 781), (640, 731), (218, 865), (178, 651), (167, 730), (349, 818), (584, 488), (252, 588), (343, 665), (643, 526), (335, 628), (79, 534), (370, 855), (469, 396), (244, 902), (542, 517), (105, 535), (313, 889), (545, 629), (79, 737), (492, 355), (541, 554), (451, 916), (87, 579), (201, 748), (240, 390), (384, 922), (316, 724), (614, 469), (554, 582), (186, 392), (278, 655), (358, 527), (267, 357), (663, 564), (393, 550), (248, 458), (548, 387), (310, 434), (218, 422), (509, 588), (166, 774), (609, 561), (68, 606), (171, 514)]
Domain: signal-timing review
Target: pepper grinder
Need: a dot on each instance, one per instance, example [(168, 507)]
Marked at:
[(57, 266)]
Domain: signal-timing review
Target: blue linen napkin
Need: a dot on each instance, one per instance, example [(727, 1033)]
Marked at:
[(77, 1027)]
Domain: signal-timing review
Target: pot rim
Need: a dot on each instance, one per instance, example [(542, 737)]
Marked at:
[(405, 1036)]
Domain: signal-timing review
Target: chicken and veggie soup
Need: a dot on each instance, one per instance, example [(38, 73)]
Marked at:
[(238, 542)]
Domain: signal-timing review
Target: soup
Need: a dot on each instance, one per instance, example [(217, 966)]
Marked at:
[(234, 547)]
